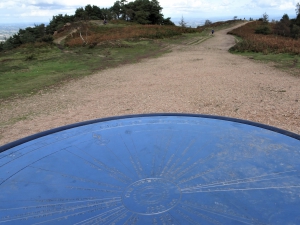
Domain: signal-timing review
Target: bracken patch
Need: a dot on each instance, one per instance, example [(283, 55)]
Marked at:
[(271, 43)]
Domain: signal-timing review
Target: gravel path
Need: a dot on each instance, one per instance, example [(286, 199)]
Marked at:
[(199, 78)]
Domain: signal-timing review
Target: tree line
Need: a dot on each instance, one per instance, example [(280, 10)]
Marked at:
[(285, 27), (138, 11)]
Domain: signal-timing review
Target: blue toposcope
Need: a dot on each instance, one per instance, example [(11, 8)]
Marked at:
[(153, 169)]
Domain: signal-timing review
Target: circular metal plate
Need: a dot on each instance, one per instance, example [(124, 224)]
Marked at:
[(153, 169)]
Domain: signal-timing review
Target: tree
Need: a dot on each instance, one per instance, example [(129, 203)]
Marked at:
[(95, 13), (264, 28), (144, 12), (298, 9), (235, 18), (265, 18), (117, 9), (295, 31), (155, 16), (168, 21), (207, 22), (58, 22), (182, 23), (283, 26), (107, 14), (123, 9)]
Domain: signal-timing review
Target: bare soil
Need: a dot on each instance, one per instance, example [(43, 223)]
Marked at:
[(199, 78)]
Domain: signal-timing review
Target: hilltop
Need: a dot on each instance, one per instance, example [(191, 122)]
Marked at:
[(141, 12)]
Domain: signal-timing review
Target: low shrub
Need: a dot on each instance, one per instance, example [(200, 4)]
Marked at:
[(264, 29)]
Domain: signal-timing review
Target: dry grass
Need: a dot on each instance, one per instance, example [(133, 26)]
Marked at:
[(93, 34), (264, 43)]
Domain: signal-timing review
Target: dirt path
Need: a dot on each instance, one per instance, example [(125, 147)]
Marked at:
[(196, 78), (60, 39)]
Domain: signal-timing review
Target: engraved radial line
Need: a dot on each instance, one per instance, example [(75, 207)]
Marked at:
[(178, 174), (92, 164), (205, 217), (42, 213), (195, 164), (170, 171), (164, 155), (198, 175), (28, 166), (70, 187), (153, 161), (62, 217), (93, 189), (173, 217), (103, 163), (186, 217), (171, 158), (109, 219), (65, 203), (236, 218), (126, 223), (135, 166), (116, 219), (60, 199), (244, 189), (119, 160), (238, 181), (102, 214), (105, 167), (138, 159), (79, 178)]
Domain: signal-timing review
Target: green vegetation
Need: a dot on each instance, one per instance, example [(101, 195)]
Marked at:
[(284, 61), (27, 70)]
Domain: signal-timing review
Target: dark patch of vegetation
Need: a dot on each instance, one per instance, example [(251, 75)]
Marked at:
[(27, 35)]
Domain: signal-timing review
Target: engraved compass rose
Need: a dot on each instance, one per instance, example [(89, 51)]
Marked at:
[(153, 169)]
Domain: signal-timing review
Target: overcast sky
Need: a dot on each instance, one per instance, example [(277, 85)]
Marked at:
[(41, 11)]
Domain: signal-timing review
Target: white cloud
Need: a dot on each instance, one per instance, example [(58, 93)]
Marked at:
[(287, 6), (37, 10)]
